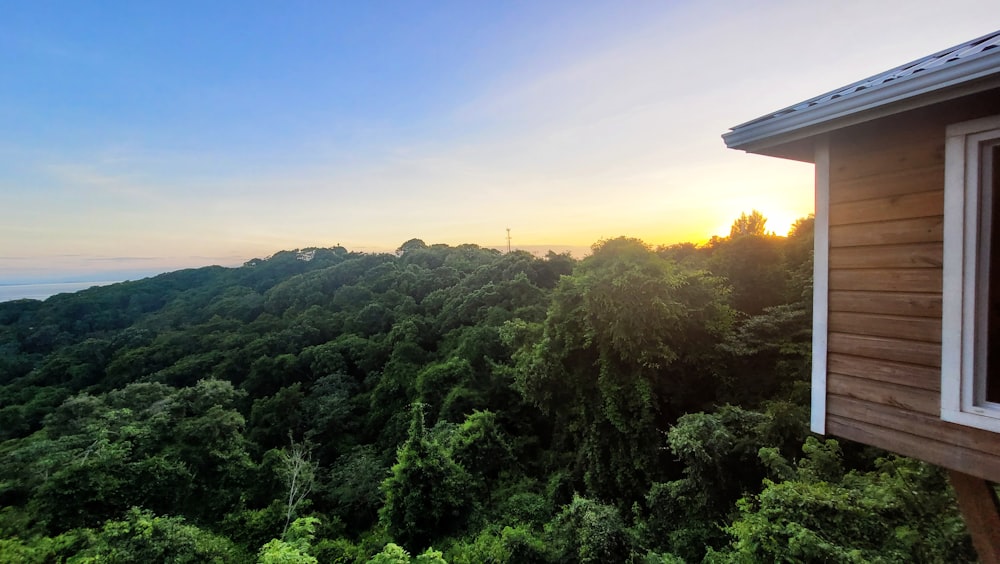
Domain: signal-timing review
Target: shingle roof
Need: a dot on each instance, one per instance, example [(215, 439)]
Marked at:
[(970, 61)]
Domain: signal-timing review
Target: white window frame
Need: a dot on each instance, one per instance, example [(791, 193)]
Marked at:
[(967, 213)]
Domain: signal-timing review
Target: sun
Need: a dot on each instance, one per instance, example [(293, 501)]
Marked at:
[(779, 222)]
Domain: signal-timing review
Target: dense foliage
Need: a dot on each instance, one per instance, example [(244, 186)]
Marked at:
[(446, 404)]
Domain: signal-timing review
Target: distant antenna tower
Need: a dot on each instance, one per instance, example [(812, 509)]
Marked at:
[(508, 239)]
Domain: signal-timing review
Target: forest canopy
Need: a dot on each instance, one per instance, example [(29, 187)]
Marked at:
[(447, 404)]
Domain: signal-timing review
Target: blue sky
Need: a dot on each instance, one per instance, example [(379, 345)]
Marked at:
[(138, 137)]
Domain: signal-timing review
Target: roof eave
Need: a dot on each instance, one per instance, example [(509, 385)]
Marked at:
[(976, 75)]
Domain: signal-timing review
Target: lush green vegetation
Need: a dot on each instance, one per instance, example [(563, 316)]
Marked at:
[(447, 404)]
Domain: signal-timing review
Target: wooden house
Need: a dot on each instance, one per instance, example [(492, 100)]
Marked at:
[(906, 319)]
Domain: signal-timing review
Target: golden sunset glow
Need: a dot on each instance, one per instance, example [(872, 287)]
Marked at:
[(606, 125)]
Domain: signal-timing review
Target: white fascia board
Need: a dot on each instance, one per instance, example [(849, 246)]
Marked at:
[(821, 287)]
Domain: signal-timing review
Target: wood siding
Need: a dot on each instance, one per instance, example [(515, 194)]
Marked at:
[(884, 319)]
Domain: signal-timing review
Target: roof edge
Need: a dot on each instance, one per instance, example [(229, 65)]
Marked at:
[(886, 99)]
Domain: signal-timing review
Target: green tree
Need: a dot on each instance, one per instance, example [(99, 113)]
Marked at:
[(294, 546), (588, 531), (628, 345), (144, 537), (354, 487), (799, 260), (426, 496), (902, 511), (391, 554), (436, 380), (719, 454), (752, 260), (481, 447), (753, 225)]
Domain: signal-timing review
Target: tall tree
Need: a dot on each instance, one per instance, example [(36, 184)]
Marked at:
[(427, 494), (753, 225), (752, 260), (627, 347)]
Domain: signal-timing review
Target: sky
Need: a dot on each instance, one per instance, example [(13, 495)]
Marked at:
[(140, 137)]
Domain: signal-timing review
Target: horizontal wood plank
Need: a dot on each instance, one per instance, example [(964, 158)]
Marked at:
[(901, 373), (888, 303), (974, 462), (886, 179), (913, 255), (919, 230), (887, 280), (901, 327), (905, 206), (904, 397), (908, 181), (919, 128), (928, 426), (883, 348), (851, 161)]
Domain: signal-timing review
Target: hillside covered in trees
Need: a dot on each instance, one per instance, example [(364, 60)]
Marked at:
[(447, 404)]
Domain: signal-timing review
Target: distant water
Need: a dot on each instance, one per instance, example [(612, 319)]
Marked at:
[(10, 292)]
